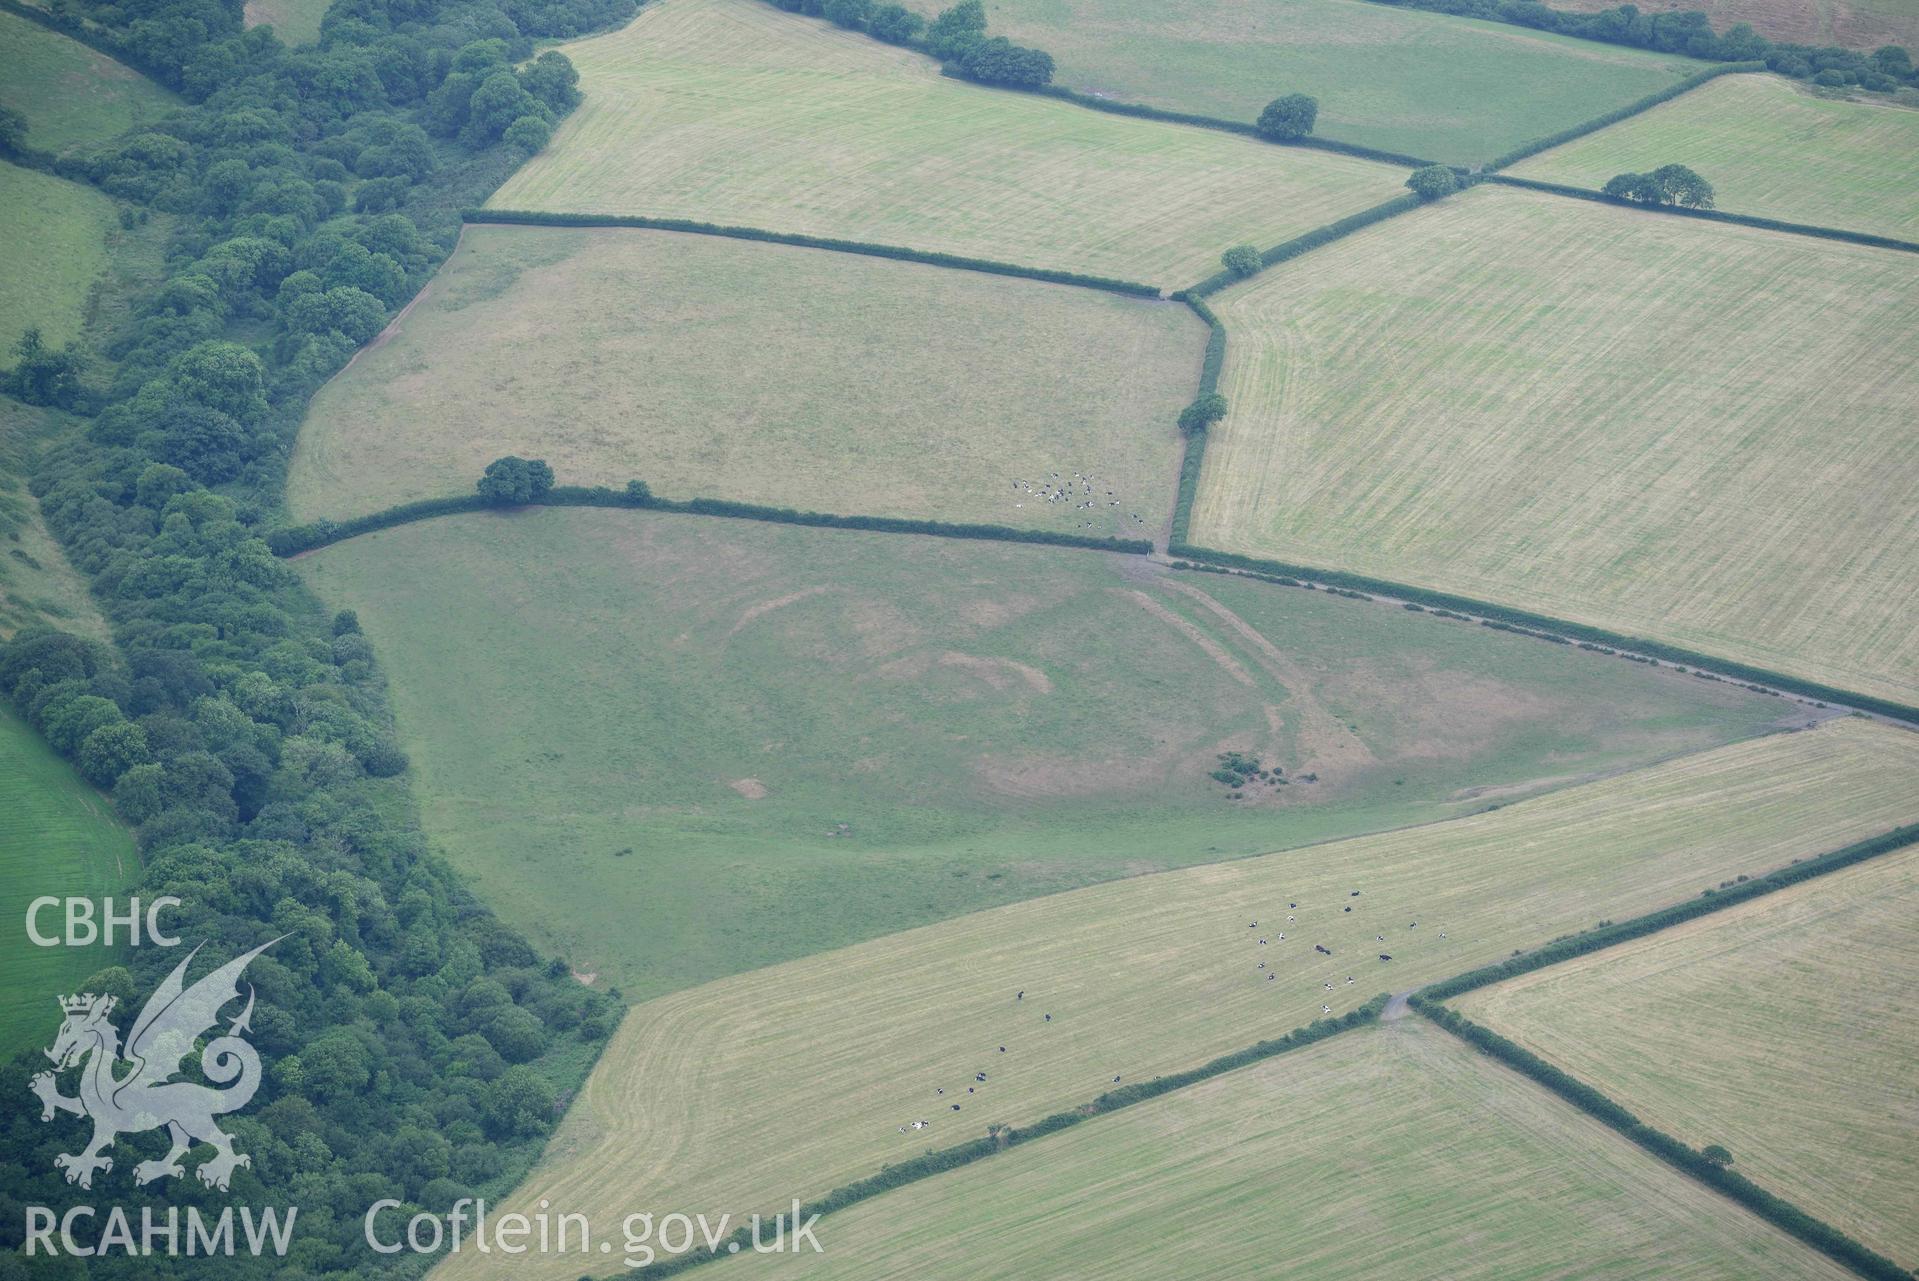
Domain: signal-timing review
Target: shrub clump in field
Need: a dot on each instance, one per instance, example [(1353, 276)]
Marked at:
[(1666, 185), (514, 482), (1242, 261), (1433, 182), (1238, 770), (1202, 413), (1289, 117)]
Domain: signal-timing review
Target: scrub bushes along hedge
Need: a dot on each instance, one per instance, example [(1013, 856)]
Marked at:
[(1712, 900), (1553, 629), (1310, 240), (1710, 215), (520, 217), (1195, 455), (949, 1158), (1782, 1214), (291, 540)]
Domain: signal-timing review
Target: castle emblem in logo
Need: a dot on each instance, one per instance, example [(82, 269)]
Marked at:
[(131, 1092)]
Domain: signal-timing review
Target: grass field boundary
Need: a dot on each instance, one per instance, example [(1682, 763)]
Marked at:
[(1709, 902), (1707, 215), (1555, 630), (939, 1161), (291, 540), (1308, 241), (1194, 454), (1781, 1213), (1526, 150), (532, 218)]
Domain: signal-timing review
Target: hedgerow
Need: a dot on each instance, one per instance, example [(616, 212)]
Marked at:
[(531, 218), (1647, 103), (1194, 457), (1817, 1233), (291, 540), (1552, 628), (1710, 215), (1712, 900), (1311, 240)]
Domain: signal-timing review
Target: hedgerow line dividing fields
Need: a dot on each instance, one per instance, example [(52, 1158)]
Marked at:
[(831, 133), (1755, 1002), (1805, 638), (1816, 1233), (1134, 975)]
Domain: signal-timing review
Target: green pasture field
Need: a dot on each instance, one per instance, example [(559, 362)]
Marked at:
[(766, 374), (1852, 24), (731, 111), (1769, 146), (742, 1093), (1694, 432), (69, 94), (57, 837), (36, 582), (1386, 1152), (676, 747), (296, 22), (1421, 84), (1781, 1030), (53, 249)]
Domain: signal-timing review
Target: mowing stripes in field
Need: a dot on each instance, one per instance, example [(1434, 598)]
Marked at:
[(731, 111), (1386, 1152), (805, 1071), (1691, 432), (1727, 1030)]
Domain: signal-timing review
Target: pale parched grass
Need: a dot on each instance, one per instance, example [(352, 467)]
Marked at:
[(739, 1094), (1385, 1152), (1769, 146), (731, 111), (1692, 432), (1784, 1030), (764, 374)]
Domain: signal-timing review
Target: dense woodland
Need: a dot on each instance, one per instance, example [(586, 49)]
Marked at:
[(415, 1047)]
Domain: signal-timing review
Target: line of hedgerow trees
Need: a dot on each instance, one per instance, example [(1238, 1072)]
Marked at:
[(415, 1047)]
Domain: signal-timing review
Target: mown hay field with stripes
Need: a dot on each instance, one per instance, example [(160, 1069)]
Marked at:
[(675, 747), (1691, 432), (766, 374), (731, 111), (1455, 90), (1769, 146), (740, 1094), (69, 94), (1389, 1152), (1782, 1030), (58, 837)]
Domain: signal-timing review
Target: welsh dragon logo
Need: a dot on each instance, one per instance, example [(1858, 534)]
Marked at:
[(146, 1098)]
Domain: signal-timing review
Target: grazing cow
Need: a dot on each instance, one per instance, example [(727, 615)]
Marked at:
[(1385, 956), (979, 1076), (1325, 1009), (1049, 1018), (956, 1107), (1322, 949), (1002, 1049)]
